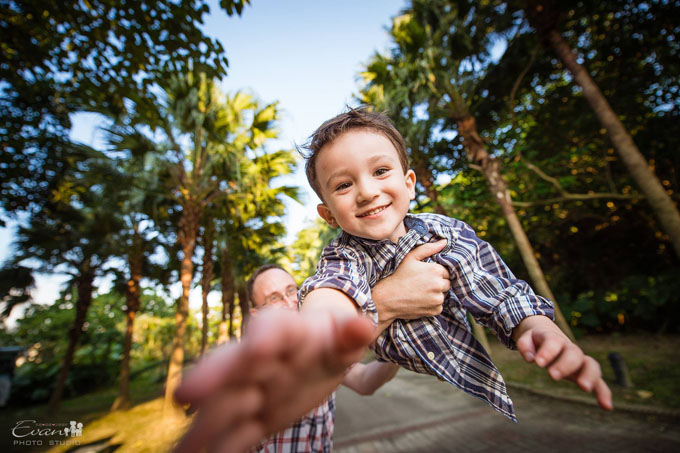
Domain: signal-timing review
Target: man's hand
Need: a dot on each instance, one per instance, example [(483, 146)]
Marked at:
[(286, 365), (415, 290), (539, 340)]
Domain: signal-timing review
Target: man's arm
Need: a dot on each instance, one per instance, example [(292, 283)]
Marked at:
[(539, 340)]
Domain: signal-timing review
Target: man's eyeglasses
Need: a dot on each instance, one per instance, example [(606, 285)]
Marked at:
[(278, 298)]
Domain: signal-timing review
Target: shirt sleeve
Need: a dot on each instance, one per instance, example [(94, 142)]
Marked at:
[(340, 268), (486, 287)]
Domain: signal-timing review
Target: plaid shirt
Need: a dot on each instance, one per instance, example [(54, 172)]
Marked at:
[(442, 346), (313, 433)]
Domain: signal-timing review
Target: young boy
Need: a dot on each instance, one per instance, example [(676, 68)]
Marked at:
[(289, 362), (358, 166)]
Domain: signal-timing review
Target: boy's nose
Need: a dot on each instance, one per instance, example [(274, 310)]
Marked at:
[(367, 191)]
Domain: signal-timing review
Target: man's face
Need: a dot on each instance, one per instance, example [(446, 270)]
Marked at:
[(274, 287)]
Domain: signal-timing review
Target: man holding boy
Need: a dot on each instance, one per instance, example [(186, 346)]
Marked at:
[(272, 287), (359, 168)]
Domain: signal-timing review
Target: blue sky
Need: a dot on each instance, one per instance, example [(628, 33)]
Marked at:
[(304, 54), (307, 55)]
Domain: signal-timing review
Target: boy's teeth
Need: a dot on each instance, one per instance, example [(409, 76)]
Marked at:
[(374, 211)]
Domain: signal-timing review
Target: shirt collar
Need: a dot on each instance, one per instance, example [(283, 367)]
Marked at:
[(415, 229)]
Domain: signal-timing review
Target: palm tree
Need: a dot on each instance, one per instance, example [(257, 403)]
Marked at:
[(207, 274), (74, 235), (196, 135), (252, 227)]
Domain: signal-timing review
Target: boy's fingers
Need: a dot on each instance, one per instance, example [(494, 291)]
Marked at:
[(276, 332), (588, 375), (603, 395), (222, 415), (426, 250), (210, 374), (570, 361), (268, 336), (245, 437), (525, 346), (353, 333), (549, 348)]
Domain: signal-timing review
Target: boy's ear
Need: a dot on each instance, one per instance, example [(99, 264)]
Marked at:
[(327, 215), (410, 178)]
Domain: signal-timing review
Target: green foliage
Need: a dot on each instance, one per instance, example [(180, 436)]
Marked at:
[(305, 251), (42, 332), (638, 303), (63, 57), (16, 283), (590, 229)]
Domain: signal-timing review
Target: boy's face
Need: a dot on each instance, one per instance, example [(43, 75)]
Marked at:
[(363, 186)]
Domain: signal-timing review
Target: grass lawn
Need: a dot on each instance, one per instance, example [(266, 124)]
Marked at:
[(653, 363), (139, 429)]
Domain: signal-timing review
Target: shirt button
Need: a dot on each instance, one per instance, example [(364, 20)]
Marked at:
[(430, 355)]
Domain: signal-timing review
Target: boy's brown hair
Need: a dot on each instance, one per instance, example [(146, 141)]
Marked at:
[(359, 118)]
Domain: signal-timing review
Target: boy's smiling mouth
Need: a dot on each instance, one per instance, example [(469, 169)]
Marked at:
[(374, 211)]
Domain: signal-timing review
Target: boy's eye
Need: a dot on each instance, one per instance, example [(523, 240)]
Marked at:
[(342, 186), (381, 171)]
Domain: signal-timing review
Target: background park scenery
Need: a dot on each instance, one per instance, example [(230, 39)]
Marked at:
[(552, 128)]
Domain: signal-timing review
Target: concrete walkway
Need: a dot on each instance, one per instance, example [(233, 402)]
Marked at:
[(416, 413)]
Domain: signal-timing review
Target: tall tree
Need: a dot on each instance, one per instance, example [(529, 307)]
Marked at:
[(197, 134), (73, 236), (253, 227), (545, 17), (60, 58), (207, 274)]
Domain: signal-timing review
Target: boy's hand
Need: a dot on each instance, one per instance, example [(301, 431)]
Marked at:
[(286, 365), (539, 340)]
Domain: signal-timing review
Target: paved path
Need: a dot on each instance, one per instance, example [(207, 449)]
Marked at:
[(415, 413)]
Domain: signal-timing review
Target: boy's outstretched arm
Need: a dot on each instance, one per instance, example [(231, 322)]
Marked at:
[(287, 364), (539, 340)]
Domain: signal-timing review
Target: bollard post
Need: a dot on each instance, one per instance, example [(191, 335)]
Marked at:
[(620, 370)]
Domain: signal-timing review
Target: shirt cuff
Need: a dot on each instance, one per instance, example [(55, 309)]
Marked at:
[(511, 314)]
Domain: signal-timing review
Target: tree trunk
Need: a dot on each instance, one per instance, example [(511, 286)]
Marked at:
[(545, 18), (206, 278), (230, 330), (243, 304), (188, 232), (476, 150), (425, 177), (85, 282), (227, 281), (132, 293)]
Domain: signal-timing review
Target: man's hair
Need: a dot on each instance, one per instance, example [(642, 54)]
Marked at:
[(253, 277), (359, 118)]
